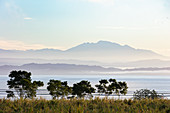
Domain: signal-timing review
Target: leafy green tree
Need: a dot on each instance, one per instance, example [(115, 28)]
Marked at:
[(20, 81), (145, 93), (33, 87), (102, 87), (117, 87), (111, 86), (83, 89), (58, 88)]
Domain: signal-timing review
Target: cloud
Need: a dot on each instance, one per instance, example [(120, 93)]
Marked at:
[(19, 45), (28, 18)]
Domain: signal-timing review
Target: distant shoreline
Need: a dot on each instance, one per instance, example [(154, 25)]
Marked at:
[(73, 69)]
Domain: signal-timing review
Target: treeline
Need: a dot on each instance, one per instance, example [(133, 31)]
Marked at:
[(21, 83)]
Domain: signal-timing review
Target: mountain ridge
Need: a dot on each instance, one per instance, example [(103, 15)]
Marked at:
[(71, 69), (102, 51), (83, 44)]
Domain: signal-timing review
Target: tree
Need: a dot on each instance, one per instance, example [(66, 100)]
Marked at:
[(112, 86), (20, 81), (145, 93), (83, 89), (117, 87), (33, 87), (58, 88), (102, 87)]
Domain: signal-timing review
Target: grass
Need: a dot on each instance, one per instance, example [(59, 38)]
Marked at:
[(96, 105)]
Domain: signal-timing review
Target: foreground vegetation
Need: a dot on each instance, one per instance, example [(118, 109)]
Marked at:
[(96, 105)]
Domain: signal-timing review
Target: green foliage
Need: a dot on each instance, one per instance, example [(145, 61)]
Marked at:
[(20, 81), (96, 105), (83, 89), (102, 87), (112, 86), (145, 93), (58, 88), (10, 94), (31, 92)]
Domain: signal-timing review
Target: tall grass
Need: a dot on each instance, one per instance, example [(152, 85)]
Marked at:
[(96, 105)]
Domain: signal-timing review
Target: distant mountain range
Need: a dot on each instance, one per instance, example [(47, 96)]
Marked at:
[(54, 69), (122, 64), (102, 51), (71, 69)]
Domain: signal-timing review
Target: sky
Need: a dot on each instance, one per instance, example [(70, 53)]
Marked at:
[(62, 24)]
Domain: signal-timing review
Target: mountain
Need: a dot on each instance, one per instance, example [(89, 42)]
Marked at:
[(55, 69), (21, 61), (143, 63), (105, 51), (132, 64), (99, 46), (102, 51), (72, 69)]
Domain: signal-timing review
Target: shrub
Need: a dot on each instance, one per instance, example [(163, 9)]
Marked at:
[(145, 93)]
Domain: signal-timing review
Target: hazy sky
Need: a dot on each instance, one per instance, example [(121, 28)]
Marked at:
[(61, 24)]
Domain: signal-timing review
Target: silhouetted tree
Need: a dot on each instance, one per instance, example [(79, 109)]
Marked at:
[(20, 81), (117, 87), (145, 93), (102, 87), (58, 88), (112, 86), (83, 89), (31, 92)]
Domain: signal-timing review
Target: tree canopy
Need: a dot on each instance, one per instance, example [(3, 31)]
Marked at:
[(112, 86), (58, 88), (83, 89), (20, 81)]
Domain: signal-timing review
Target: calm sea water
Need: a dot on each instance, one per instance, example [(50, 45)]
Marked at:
[(160, 83)]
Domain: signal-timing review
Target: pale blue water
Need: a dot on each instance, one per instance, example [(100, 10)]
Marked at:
[(160, 83)]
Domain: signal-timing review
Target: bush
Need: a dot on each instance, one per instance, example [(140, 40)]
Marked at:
[(145, 93)]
